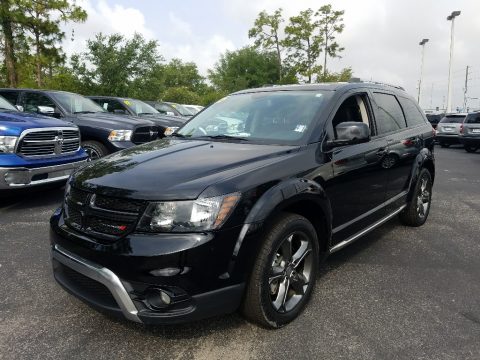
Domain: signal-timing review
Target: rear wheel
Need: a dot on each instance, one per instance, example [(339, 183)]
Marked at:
[(470, 149), (417, 210), (284, 272), (94, 149)]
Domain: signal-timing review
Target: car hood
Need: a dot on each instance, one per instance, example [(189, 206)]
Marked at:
[(115, 122), (13, 123), (171, 169)]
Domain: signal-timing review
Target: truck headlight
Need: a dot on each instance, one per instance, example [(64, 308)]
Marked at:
[(120, 135), (192, 215), (7, 144)]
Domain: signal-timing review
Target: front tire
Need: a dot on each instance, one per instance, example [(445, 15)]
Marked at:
[(417, 210), (284, 273), (94, 149)]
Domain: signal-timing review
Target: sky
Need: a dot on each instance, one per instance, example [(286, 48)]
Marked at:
[(381, 37)]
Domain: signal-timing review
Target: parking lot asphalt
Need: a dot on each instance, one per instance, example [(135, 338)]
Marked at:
[(399, 292)]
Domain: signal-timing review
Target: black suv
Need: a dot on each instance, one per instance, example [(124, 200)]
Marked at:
[(138, 108), (240, 205), (102, 133)]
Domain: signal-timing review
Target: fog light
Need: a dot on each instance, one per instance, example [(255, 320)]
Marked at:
[(157, 299), (17, 177)]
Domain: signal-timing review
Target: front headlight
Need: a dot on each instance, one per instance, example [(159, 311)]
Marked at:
[(7, 144), (120, 135), (192, 215), (170, 130)]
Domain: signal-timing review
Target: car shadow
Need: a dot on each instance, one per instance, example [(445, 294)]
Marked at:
[(20, 199)]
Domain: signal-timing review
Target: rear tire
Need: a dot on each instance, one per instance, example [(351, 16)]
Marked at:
[(94, 149), (417, 210), (470, 149), (284, 273)]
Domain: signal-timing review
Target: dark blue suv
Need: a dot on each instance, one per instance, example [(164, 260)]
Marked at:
[(36, 149)]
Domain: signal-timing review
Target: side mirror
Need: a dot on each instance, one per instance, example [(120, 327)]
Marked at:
[(349, 133), (19, 107), (49, 111)]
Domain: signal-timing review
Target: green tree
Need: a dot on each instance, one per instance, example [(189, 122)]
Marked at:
[(113, 65), (329, 24), (8, 19), (181, 95), (42, 20), (265, 31), (183, 74), (343, 75), (303, 43), (244, 68)]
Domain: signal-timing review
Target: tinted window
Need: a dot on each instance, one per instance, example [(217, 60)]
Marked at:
[(473, 119), (5, 105), (110, 105), (35, 101), (76, 104), (453, 119), (139, 107), (389, 113), (10, 96), (412, 113)]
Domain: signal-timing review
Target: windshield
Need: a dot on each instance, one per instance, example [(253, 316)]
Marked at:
[(181, 109), (280, 117), (76, 104), (139, 107), (5, 105), (453, 119)]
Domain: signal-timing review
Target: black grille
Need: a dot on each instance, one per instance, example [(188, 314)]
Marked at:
[(89, 288), (49, 142), (145, 134), (104, 218)]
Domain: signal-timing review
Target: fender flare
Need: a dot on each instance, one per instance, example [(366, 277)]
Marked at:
[(423, 157), (280, 196)]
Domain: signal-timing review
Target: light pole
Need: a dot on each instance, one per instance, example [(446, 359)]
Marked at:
[(451, 17), (422, 44)]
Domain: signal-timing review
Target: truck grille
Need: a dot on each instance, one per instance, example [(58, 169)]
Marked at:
[(47, 142), (104, 218), (145, 134)]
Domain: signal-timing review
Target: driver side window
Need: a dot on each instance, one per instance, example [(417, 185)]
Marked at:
[(35, 102), (353, 109)]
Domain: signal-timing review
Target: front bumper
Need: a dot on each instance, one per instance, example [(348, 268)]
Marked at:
[(115, 278), (22, 177)]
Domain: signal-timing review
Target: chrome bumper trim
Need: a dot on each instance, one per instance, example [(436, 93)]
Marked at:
[(54, 173), (100, 274)]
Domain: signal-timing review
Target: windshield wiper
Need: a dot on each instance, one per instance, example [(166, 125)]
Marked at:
[(84, 112), (222, 137), (145, 113), (179, 135)]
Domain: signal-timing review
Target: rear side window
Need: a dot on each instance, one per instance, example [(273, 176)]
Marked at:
[(389, 114), (473, 119), (453, 119), (10, 96), (412, 113)]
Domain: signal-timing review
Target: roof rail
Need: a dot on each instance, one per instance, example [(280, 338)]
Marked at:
[(358, 80)]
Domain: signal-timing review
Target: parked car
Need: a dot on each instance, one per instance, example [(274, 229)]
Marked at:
[(194, 109), (36, 150), (140, 109), (210, 220), (102, 133), (169, 108), (448, 129), (470, 132)]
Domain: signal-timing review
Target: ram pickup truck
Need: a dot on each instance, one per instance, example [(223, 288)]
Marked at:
[(141, 110), (35, 149), (102, 133)]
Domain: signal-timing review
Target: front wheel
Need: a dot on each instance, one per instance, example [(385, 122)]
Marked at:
[(94, 149), (417, 210), (470, 149), (284, 273)]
